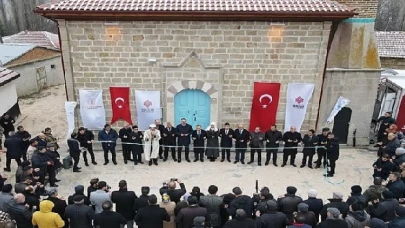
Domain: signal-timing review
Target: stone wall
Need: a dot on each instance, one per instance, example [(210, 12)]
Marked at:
[(229, 56), (392, 63), (365, 8), (360, 87)]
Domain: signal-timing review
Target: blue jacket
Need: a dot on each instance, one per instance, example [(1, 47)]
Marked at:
[(111, 136), (300, 226), (397, 188), (13, 145), (397, 223), (186, 129), (40, 160), (74, 149)]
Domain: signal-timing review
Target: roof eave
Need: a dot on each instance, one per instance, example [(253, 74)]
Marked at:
[(2, 83), (194, 15)]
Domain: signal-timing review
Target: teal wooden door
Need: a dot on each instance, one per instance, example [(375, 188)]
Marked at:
[(194, 105)]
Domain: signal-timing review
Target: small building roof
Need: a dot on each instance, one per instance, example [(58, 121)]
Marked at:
[(10, 52), (7, 76), (391, 44), (196, 9), (38, 38)]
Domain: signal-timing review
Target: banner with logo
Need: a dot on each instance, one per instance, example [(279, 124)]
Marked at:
[(147, 108), (120, 104), (70, 115), (341, 102), (298, 96), (264, 105), (92, 109)]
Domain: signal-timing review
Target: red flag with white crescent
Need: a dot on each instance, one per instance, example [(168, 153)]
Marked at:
[(120, 104), (264, 105)]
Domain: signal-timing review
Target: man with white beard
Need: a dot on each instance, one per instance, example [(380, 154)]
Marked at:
[(151, 149)]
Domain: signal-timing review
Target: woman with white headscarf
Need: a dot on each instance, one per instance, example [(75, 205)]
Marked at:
[(212, 151)]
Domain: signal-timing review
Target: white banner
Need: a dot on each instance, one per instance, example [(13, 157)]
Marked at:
[(70, 115), (92, 109), (341, 102), (147, 108), (298, 96)]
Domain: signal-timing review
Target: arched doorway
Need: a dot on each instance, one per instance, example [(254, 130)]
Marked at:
[(341, 124), (194, 105)]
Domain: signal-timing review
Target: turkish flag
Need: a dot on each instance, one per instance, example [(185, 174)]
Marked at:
[(400, 121), (264, 105), (120, 104)]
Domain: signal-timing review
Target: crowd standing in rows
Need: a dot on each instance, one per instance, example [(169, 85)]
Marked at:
[(378, 206)]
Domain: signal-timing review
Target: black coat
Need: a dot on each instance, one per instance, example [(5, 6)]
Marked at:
[(14, 147), (240, 223), (397, 188), (151, 217), (25, 137), (332, 149), (59, 207), (384, 210), (79, 215), (109, 219), (124, 203), (271, 219), (336, 203), (199, 140), (309, 144), (123, 134), (186, 216), (7, 124), (161, 129), (175, 194), (55, 157), (186, 129), (386, 168), (322, 141), (295, 137), (140, 203), (136, 137), (241, 202), (74, 148), (385, 123), (169, 137), (288, 204), (241, 140), (333, 223), (226, 139), (315, 205), (84, 138), (273, 138)]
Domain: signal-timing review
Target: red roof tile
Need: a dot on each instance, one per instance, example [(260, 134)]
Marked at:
[(271, 6), (37, 38), (7, 76)]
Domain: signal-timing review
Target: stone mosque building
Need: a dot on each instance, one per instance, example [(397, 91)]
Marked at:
[(207, 54)]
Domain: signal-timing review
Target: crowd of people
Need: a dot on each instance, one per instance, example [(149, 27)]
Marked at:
[(381, 205), (175, 207), (156, 142)]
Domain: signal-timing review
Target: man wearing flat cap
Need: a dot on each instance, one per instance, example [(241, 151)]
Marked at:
[(198, 222), (333, 219), (151, 149), (335, 202)]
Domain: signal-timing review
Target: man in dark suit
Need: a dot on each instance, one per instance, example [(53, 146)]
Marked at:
[(183, 131), (291, 139), (152, 216), (169, 141), (273, 138), (332, 153), (124, 202), (309, 141), (241, 138), (161, 128), (199, 136), (226, 135), (321, 151), (109, 218), (124, 134)]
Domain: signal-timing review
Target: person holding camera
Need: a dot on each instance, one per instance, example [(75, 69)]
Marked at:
[(98, 197), (152, 137), (170, 189)]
